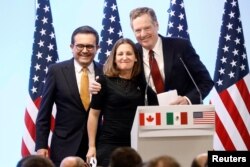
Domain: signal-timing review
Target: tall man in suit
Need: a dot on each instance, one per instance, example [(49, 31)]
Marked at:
[(169, 54), (62, 87)]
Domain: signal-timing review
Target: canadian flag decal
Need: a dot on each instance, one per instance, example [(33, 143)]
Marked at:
[(150, 119)]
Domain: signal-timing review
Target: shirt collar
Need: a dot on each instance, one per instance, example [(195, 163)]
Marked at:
[(78, 67)]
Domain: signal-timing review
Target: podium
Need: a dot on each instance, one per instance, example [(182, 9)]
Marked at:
[(180, 131)]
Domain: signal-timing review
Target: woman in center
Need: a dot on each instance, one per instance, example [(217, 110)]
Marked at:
[(116, 102)]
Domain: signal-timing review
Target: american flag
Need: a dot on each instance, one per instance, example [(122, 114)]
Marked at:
[(111, 29), (44, 53), (177, 22), (203, 117), (232, 84)]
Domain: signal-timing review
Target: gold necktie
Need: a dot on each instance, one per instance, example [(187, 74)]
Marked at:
[(84, 89)]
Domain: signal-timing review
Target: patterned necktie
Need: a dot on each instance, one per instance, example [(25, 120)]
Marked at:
[(84, 89), (155, 72)]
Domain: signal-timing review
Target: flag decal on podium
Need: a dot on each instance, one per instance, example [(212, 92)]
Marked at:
[(150, 119), (203, 117), (176, 118)]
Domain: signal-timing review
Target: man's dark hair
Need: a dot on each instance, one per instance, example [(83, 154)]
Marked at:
[(35, 161), (85, 30), (124, 157)]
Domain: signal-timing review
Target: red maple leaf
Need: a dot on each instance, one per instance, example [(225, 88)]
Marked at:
[(150, 118)]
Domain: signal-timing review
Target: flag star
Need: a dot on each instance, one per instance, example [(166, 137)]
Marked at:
[(114, 7), (43, 80), (104, 16), (46, 9), (52, 35), (34, 90), (111, 30), (49, 58), (39, 55), (242, 67), (43, 32), (180, 27), (107, 53), (171, 24), (233, 3), (37, 66), (35, 78), (109, 41), (227, 37), (172, 13), (233, 63), (238, 30), (45, 20), (222, 71), (120, 33), (219, 82), (181, 16), (41, 43), (112, 18), (231, 14), (105, 4), (173, 2), (237, 41), (169, 35), (235, 52), (223, 60), (37, 5), (182, 4), (244, 56), (225, 48), (51, 46), (229, 26), (231, 74), (46, 69)]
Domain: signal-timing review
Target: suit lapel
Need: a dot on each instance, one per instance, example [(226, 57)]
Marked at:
[(168, 59), (70, 77)]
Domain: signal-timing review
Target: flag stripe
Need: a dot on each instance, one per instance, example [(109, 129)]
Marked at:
[(234, 113), (220, 129), (242, 86), (142, 119), (225, 128), (158, 118), (184, 118)]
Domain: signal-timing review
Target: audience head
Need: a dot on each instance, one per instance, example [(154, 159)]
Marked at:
[(200, 160), (163, 161), (124, 157), (73, 161), (35, 161)]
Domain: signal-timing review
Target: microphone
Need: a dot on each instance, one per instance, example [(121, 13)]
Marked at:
[(197, 88), (146, 90)]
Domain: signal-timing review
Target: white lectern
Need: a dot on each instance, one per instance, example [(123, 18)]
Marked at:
[(181, 131)]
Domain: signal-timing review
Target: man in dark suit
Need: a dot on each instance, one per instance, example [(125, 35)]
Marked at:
[(169, 54), (62, 88)]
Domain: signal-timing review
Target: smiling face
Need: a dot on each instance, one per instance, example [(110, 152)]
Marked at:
[(145, 30), (125, 59), (84, 48)]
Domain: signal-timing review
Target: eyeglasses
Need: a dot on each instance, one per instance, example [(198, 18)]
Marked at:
[(80, 47)]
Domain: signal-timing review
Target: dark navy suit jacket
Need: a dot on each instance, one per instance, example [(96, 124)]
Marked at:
[(176, 76), (71, 118)]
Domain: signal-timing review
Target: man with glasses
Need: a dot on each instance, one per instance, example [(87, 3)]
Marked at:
[(65, 86)]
